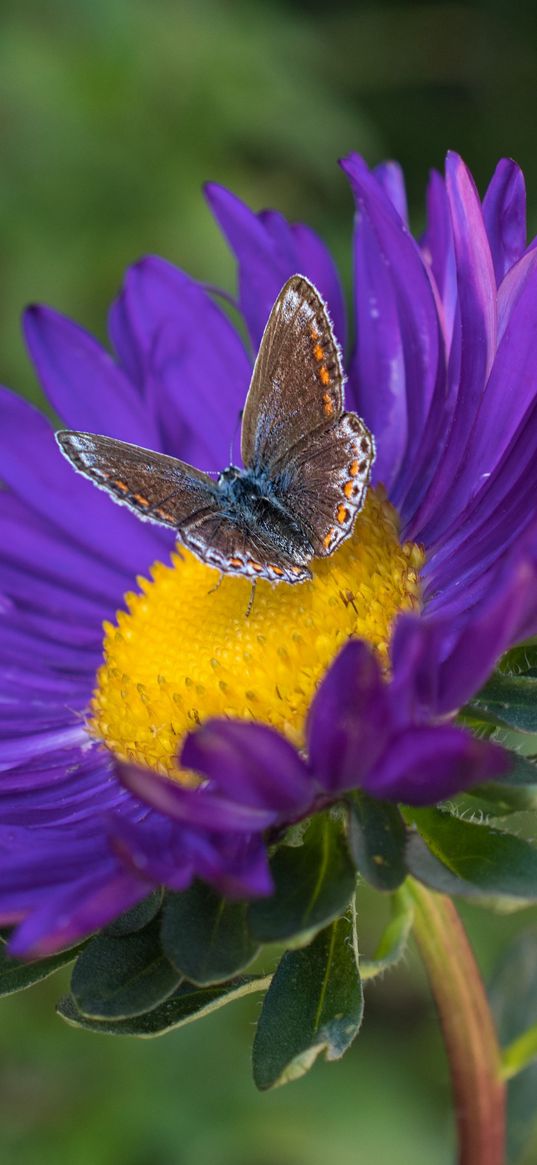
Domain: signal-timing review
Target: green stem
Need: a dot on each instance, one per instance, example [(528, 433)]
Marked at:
[(469, 1035)]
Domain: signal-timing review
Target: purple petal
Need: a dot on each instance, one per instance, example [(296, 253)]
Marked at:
[(82, 382), (154, 849), (508, 615), (473, 353), (76, 910), (31, 464), (438, 249), (398, 356), (426, 764), (349, 719), (269, 250), (440, 662), (391, 178), (501, 453), (511, 389), (199, 807), (18, 749), (250, 764), (33, 544), (418, 648), (504, 214), (238, 871), (172, 854), (191, 360)]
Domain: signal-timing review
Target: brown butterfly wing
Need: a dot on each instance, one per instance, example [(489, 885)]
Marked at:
[(297, 382), (230, 547), (170, 492), (325, 482), (156, 487)]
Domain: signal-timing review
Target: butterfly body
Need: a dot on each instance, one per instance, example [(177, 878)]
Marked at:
[(307, 463)]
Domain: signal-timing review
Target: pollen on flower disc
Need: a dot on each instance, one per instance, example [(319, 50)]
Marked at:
[(183, 651)]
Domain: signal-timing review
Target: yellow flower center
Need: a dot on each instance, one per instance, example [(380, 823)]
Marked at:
[(185, 651)]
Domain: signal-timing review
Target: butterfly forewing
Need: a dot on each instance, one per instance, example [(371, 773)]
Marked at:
[(170, 492), (155, 486), (297, 382)]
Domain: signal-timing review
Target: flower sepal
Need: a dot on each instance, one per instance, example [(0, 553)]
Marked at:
[(471, 859), (514, 792), (508, 701), (16, 976), (186, 1004), (376, 833), (313, 883), (509, 698), (117, 977), (205, 936), (314, 1005)]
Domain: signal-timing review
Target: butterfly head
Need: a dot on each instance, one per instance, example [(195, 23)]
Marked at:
[(229, 475)]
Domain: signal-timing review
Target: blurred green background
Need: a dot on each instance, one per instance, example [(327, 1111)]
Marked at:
[(112, 114)]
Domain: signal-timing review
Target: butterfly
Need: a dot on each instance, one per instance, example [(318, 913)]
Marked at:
[(307, 463)]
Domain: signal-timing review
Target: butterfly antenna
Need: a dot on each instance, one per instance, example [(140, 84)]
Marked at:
[(232, 442)]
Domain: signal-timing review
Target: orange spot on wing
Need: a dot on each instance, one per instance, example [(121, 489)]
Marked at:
[(348, 489), (120, 485), (342, 514), (255, 565), (314, 334), (140, 499), (236, 563), (324, 374), (354, 469), (328, 538), (328, 405), (166, 517), (276, 570), (318, 352)]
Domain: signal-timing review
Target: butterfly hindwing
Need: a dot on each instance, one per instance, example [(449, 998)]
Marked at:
[(297, 382), (325, 482), (231, 548)]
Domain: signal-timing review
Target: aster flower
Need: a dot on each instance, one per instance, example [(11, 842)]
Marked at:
[(438, 578)]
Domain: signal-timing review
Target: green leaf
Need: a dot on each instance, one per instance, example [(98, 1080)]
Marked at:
[(514, 792), (513, 997), (521, 660), (137, 917), (205, 936), (116, 978), (474, 861), (393, 943), (17, 976), (377, 841), (508, 700), (314, 1004), (313, 884), (185, 1005)]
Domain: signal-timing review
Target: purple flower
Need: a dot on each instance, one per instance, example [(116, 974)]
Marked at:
[(444, 374)]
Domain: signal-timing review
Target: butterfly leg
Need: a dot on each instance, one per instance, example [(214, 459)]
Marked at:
[(216, 585), (251, 599)]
